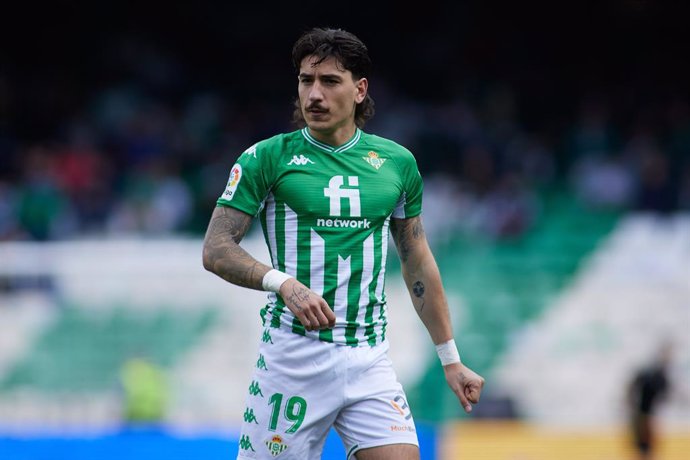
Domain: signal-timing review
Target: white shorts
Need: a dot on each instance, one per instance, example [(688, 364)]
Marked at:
[(302, 387)]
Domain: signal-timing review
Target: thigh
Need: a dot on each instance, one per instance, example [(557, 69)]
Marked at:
[(376, 417), (292, 400), (389, 452)]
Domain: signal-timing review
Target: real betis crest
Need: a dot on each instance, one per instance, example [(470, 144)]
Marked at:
[(276, 445), (373, 159)]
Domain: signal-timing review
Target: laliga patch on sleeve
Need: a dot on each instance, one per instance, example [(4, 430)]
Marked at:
[(235, 176)]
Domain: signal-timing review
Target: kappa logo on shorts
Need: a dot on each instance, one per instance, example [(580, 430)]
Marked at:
[(255, 389), (276, 445), (266, 337), (246, 443), (261, 363), (249, 416)]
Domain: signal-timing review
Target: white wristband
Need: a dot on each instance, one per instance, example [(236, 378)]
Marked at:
[(274, 279), (448, 352)]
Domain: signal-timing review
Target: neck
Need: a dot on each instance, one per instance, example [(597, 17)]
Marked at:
[(335, 137)]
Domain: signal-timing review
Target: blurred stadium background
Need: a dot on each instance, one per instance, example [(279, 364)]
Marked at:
[(555, 146)]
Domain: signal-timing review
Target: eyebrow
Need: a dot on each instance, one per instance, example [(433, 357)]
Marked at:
[(322, 76)]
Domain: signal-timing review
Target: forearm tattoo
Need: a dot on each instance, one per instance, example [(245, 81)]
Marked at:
[(221, 249), (418, 291), (404, 232)]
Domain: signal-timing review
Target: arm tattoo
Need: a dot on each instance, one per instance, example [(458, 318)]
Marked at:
[(409, 235), (226, 224), (299, 294), (404, 231), (417, 230), (222, 253), (418, 291)]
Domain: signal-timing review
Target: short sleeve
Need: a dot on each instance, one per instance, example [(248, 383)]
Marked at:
[(248, 183), (410, 202)]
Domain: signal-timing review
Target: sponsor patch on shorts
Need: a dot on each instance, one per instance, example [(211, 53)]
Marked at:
[(405, 428)]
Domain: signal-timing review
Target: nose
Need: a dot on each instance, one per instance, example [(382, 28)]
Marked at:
[(315, 93)]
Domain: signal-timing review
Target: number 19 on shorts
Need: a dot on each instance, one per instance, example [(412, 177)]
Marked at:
[(294, 411)]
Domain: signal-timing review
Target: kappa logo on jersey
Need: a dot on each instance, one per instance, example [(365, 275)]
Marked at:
[(336, 193), (235, 176), (251, 151), (373, 159), (300, 160)]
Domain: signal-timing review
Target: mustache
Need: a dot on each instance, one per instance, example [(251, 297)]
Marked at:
[(315, 107)]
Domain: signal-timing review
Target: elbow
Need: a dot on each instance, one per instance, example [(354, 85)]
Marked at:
[(207, 259)]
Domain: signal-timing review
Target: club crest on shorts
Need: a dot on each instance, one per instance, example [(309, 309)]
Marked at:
[(276, 445), (373, 159)]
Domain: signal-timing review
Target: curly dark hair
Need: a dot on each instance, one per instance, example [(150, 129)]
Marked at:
[(348, 50)]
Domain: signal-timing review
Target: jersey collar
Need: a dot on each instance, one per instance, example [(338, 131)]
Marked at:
[(347, 145)]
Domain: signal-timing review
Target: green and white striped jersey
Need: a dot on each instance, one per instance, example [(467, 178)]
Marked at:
[(325, 213)]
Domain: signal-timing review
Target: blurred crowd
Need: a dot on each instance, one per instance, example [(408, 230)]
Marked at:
[(131, 160)]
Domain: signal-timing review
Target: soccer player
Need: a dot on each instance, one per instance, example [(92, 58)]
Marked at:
[(327, 196)]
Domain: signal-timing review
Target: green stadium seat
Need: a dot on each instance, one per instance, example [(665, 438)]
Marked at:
[(505, 284)]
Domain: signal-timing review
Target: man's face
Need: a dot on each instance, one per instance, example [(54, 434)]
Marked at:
[(328, 94)]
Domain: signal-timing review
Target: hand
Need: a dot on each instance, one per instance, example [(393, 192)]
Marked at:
[(465, 383), (310, 308)]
